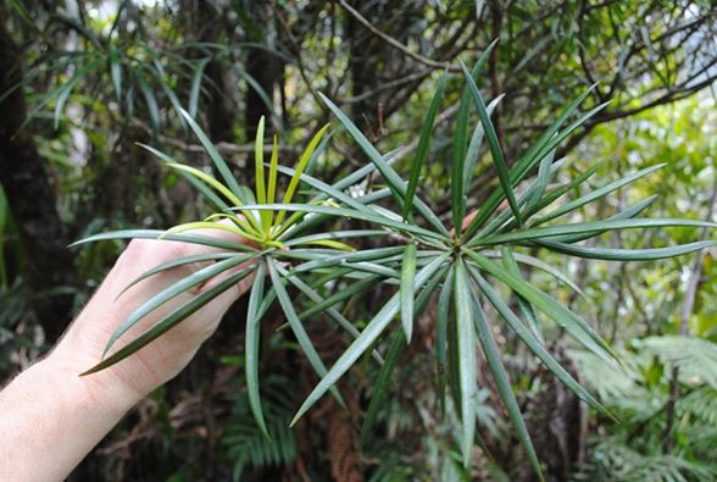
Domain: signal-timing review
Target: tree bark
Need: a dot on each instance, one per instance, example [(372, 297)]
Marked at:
[(32, 200)]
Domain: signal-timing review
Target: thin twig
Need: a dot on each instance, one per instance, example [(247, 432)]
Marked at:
[(692, 286), (395, 43)]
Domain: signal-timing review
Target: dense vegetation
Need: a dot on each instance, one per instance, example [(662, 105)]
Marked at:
[(85, 86)]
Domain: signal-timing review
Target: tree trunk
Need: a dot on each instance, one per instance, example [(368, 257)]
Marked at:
[(32, 200)]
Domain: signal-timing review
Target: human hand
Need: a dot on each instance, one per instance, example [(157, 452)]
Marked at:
[(136, 376)]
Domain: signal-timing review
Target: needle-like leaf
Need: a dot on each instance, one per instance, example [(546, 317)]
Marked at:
[(424, 144), (172, 291), (297, 327), (502, 382), (597, 194), (526, 308), (273, 174), (573, 324), (251, 350), (460, 140), (534, 343), (196, 89), (408, 274), (590, 226), (467, 358), (346, 213), (214, 155), (380, 385), (394, 181), (259, 174), (495, 149), (442, 316), (627, 213), (183, 261), (616, 254), (164, 325), (299, 169), (372, 331), (157, 234), (547, 142)]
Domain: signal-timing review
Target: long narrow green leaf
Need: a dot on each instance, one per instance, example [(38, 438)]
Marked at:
[(442, 315), (540, 144), (327, 190), (597, 194), (394, 181), (381, 384), (341, 295), (347, 234), (467, 358), (214, 155), (297, 327), (372, 331), (374, 268), (157, 234), (185, 260), (327, 309), (167, 323), (534, 262), (161, 76), (408, 274), (545, 144), (591, 226), (552, 195), (627, 213), (251, 349), (502, 382), (527, 201), (380, 387), (199, 185), (460, 139), (364, 255), (534, 343), (424, 144), (347, 213), (209, 180), (616, 254), (526, 308), (494, 144), (475, 144), (196, 88), (259, 174), (273, 171), (541, 182), (151, 101), (300, 166), (172, 291), (573, 324)]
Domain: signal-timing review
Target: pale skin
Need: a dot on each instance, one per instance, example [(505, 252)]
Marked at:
[(51, 417)]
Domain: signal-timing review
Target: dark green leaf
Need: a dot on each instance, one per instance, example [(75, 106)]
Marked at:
[(408, 274), (372, 331), (495, 149), (467, 358), (502, 382), (167, 323), (297, 327), (251, 349), (424, 144)]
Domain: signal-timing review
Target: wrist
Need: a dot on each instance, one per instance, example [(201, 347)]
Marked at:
[(102, 392)]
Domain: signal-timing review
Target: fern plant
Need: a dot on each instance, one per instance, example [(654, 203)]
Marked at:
[(245, 442), (460, 265), (636, 450)]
